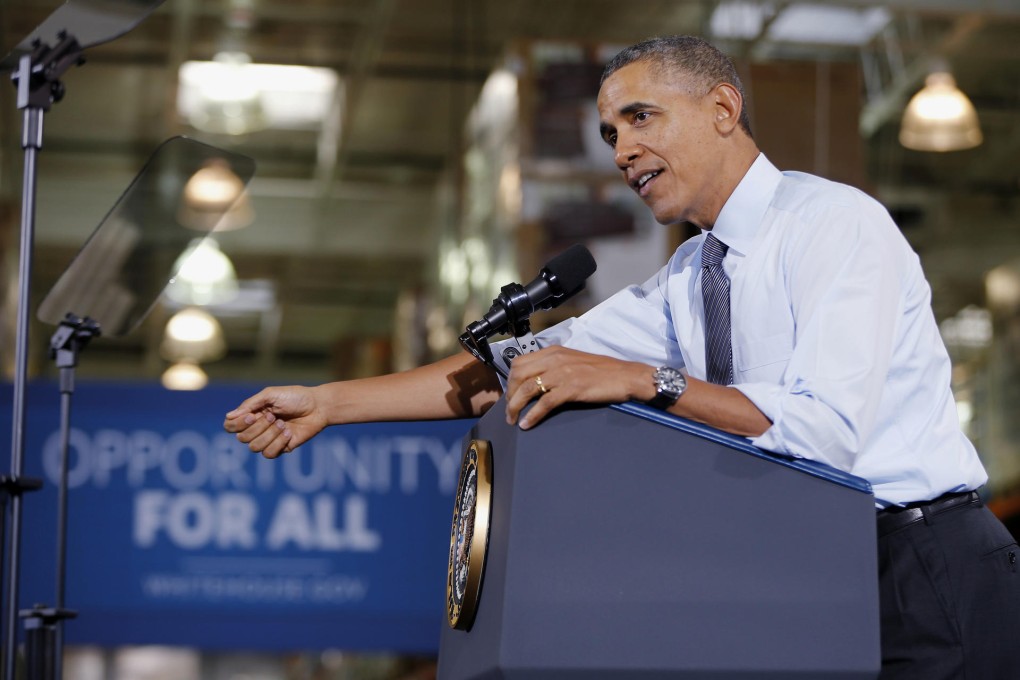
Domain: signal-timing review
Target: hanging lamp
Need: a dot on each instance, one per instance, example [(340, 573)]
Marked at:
[(940, 117)]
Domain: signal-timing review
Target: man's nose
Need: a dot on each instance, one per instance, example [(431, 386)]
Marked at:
[(626, 153)]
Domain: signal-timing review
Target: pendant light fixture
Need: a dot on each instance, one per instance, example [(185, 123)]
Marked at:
[(940, 117)]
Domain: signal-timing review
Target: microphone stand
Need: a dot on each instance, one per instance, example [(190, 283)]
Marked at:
[(39, 87), (562, 278), (514, 300), (478, 345)]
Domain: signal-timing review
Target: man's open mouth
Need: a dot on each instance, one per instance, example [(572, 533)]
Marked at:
[(640, 183)]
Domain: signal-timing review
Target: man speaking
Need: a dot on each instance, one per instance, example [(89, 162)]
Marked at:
[(799, 318)]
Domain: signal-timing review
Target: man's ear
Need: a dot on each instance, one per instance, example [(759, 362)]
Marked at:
[(727, 107)]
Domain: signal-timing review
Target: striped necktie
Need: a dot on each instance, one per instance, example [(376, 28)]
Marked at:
[(715, 289)]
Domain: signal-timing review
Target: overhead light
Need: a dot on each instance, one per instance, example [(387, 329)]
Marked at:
[(184, 375), (940, 117), (1002, 287), (205, 275), (228, 95), (232, 95), (736, 19), (213, 186), (809, 23), (192, 325), (215, 199), (820, 23), (193, 335)]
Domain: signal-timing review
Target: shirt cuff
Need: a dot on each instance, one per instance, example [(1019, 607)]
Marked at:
[(767, 398)]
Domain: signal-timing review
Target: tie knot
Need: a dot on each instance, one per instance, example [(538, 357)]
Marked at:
[(713, 251)]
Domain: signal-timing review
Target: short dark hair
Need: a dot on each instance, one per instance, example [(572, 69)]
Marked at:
[(685, 55)]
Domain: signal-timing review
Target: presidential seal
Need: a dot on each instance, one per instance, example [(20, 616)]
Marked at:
[(469, 536)]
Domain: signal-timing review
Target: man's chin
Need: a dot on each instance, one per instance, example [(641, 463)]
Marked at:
[(667, 217), (666, 209)]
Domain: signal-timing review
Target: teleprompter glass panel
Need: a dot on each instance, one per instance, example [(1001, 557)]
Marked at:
[(90, 22), (129, 259)]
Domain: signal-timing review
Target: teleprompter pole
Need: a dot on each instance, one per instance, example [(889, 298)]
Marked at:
[(44, 629), (38, 82)]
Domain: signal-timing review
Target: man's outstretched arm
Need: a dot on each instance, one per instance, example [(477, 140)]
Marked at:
[(279, 419)]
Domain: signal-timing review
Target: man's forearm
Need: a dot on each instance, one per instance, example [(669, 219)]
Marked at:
[(723, 407), (456, 387)]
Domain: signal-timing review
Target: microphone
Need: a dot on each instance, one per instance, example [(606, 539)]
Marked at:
[(561, 278)]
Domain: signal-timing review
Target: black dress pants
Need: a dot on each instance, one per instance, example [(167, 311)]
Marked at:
[(949, 590)]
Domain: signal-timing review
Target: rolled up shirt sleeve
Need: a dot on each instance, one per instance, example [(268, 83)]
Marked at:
[(847, 288)]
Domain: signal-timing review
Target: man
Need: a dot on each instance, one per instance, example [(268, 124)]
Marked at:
[(803, 321)]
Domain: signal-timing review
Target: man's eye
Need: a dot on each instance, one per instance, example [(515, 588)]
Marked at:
[(641, 116)]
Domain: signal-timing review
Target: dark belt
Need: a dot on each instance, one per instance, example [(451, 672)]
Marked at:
[(896, 518)]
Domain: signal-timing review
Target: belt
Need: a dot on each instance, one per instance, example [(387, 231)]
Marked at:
[(895, 518)]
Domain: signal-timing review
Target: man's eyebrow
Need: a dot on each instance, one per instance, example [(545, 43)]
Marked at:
[(605, 129), (635, 107)]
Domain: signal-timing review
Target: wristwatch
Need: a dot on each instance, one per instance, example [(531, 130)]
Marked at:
[(670, 383)]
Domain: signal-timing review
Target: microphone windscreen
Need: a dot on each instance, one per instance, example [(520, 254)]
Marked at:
[(571, 268)]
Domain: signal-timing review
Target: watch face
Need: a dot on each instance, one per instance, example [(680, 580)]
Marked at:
[(670, 380), (469, 535)]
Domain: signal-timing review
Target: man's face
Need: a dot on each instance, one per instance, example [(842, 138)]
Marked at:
[(663, 139)]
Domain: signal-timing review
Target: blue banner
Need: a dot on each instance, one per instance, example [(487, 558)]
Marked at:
[(178, 534)]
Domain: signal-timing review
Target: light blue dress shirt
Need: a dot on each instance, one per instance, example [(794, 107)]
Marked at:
[(834, 339)]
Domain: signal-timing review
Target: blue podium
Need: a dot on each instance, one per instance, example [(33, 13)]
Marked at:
[(626, 543)]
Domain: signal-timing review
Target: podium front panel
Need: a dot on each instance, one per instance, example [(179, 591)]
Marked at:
[(621, 547)]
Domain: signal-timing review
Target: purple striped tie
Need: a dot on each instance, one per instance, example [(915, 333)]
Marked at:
[(715, 290)]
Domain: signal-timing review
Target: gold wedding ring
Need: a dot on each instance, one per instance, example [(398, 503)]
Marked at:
[(538, 381)]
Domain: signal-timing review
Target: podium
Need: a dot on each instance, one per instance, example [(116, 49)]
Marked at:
[(627, 543)]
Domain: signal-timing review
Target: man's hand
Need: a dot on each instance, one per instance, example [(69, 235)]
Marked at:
[(568, 375), (277, 419)]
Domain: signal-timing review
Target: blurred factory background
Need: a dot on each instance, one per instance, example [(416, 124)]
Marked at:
[(415, 155)]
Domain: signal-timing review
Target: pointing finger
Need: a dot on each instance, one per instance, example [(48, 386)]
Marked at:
[(252, 404)]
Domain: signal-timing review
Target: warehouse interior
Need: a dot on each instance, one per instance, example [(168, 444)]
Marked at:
[(426, 152)]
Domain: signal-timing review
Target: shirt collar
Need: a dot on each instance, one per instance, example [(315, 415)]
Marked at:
[(744, 210)]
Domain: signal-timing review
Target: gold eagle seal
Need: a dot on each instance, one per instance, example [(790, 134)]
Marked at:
[(469, 536)]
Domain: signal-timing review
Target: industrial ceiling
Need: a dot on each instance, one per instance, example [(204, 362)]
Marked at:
[(347, 215)]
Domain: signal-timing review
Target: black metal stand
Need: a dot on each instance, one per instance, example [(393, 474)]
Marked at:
[(517, 309), (39, 87), (69, 340), (478, 345), (9, 488), (43, 641), (44, 632)]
